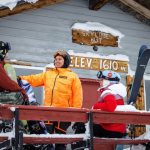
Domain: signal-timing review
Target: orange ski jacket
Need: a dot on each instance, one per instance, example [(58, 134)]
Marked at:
[(62, 87)]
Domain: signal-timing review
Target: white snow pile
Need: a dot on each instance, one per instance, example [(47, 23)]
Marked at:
[(127, 108), (93, 55), (12, 3), (146, 135), (57, 135), (8, 134), (12, 109)]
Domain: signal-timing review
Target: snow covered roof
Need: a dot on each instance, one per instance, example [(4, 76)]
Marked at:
[(12, 3), (10, 7)]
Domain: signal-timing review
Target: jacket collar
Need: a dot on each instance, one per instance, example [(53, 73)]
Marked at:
[(61, 70)]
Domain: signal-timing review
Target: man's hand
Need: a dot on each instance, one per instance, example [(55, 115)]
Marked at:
[(25, 97)]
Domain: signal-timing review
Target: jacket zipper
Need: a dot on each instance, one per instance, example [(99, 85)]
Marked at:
[(68, 103), (53, 88)]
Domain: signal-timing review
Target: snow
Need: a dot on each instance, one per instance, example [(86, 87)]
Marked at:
[(95, 26), (29, 67), (12, 3), (93, 55), (12, 109), (8, 134), (129, 108), (57, 135)]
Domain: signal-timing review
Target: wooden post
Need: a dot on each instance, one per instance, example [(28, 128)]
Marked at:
[(96, 4), (22, 6), (139, 129)]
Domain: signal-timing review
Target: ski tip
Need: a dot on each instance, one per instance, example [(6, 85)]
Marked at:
[(142, 49)]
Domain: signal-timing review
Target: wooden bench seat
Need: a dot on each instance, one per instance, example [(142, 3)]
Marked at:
[(8, 112), (48, 140), (54, 114)]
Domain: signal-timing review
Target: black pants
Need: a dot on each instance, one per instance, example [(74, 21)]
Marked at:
[(78, 127), (60, 128), (98, 131)]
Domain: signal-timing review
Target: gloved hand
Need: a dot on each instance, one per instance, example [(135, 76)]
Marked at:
[(18, 78), (25, 97)]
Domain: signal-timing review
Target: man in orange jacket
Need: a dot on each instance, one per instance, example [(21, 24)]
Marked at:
[(62, 88)]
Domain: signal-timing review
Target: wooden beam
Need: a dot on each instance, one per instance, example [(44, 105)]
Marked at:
[(137, 7), (120, 117), (27, 6), (48, 140), (61, 114), (120, 141), (3, 138), (5, 112), (18, 63), (97, 4)]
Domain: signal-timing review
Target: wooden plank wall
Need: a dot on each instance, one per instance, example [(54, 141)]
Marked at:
[(35, 34)]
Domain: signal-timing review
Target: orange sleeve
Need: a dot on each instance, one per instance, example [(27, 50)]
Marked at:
[(77, 99), (35, 80)]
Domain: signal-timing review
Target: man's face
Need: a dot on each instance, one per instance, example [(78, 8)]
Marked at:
[(59, 61), (100, 82), (103, 82)]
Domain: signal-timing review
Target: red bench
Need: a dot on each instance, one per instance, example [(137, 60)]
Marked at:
[(53, 114), (70, 115), (5, 114), (46, 113)]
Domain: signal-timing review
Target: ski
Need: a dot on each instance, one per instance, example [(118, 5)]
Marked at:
[(143, 58)]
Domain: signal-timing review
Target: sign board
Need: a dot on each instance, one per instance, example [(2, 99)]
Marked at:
[(98, 64), (93, 38)]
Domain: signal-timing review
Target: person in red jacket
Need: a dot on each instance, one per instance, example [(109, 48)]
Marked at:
[(111, 94), (6, 83)]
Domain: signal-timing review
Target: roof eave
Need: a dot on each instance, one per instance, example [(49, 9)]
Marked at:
[(23, 6)]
